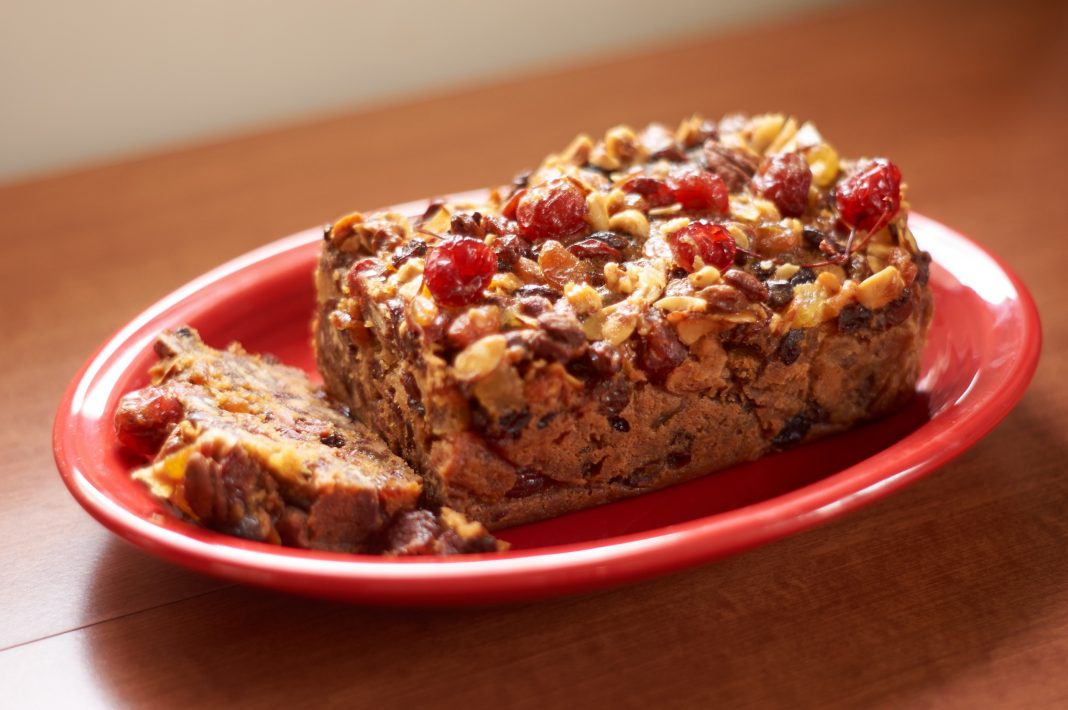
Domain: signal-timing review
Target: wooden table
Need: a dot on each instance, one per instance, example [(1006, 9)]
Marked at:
[(951, 593)]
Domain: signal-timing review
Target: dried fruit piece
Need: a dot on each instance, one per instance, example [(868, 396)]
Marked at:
[(698, 189), (784, 178), (871, 196), (551, 210), (710, 243), (594, 249), (656, 193), (457, 270)]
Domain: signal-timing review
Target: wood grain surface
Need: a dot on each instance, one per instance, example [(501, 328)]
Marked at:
[(951, 593)]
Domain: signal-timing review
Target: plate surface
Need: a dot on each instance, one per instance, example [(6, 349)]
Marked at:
[(982, 351)]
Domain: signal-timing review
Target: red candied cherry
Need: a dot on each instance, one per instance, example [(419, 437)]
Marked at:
[(656, 193), (145, 418), (711, 242), (784, 178), (458, 269), (551, 210), (698, 189), (871, 196)]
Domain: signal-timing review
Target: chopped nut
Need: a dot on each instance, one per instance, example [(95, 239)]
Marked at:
[(763, 129), (619, 324), (829, 281), (597, 210), (786, 272), (823, 161), (789, 130), (583, 298), (673, 208), (622, 144), (748, 284), (741, 237), (343, 228), (631, 222), (693, 329), (879, 289), (578, 152), (618, 279), (506, 282), (684, 304), (616, 200), (691, 131), (674, 225), (423, 310), (600, 158), (473, 324), (480, 358), (705, 276)]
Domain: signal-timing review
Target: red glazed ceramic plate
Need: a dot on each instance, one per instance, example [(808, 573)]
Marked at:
[(983, 348)]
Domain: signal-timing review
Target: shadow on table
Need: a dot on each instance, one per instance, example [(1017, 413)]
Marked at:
[(904, 595)]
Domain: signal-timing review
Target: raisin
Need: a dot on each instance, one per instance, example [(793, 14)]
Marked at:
[(897, 311), (853, 317), (565, 334), (793, 432), (613, 396), (677, 459), (780, 293), (660, 351), (812, 236), (538, 290), (513, 423), (803, 276), (790, 347), (527, 483), (923, 267), (619, 424), (333, 440), (612, 239), (594, 249), (415, 247)]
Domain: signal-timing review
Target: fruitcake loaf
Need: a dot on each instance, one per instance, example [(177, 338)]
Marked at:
[(638, 310), (246, 446)]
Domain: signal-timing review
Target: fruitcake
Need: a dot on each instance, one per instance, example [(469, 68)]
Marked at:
[(639, 310), (247, 446)]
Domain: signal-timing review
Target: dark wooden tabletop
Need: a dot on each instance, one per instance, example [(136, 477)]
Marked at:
[(950, 593)]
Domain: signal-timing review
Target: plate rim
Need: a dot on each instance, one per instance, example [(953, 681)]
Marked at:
[(537, 572)]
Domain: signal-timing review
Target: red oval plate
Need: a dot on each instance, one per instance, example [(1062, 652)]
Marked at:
[(983, 349)]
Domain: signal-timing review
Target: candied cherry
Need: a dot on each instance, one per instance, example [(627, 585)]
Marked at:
[(458, 269), (656, 193), (551, 210), (711, 242), (698, 189), (871, 196), (784, 178)]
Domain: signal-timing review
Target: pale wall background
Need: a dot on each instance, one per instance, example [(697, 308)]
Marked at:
[(88, 81)]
